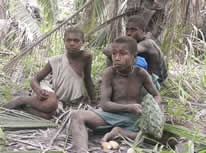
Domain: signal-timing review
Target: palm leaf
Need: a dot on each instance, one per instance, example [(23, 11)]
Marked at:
[(103, 25), (2, 135), (49, 9), (14, 119), (18, 10), (33, 152), (195, 136), (56, 32)]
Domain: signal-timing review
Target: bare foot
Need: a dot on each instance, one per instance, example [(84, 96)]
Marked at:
[(114, 132)]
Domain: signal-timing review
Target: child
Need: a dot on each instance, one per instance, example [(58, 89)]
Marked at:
[(68, 73), (120, 98), (147, 48)]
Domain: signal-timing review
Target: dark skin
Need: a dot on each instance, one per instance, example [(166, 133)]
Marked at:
[(147, 48), (44, 104), (120, 92)]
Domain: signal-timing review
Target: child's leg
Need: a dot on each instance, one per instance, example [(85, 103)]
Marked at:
[(17, 102), (80, 120), (39, 113), (47, 106), (118, 131)]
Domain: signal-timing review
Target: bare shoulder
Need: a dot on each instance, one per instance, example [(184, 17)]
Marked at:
[(87, 56), (140, 72), (149, 46), (108, 73), (147, 43)]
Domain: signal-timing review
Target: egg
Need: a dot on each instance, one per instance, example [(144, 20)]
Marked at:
[(131, 150), (114, 145), (106, 146)]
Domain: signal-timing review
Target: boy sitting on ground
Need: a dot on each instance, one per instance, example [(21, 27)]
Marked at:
[(68, 73), (120, 98), (147, 48)]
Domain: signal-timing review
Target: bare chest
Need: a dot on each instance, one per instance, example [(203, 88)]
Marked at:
[(126, 88)]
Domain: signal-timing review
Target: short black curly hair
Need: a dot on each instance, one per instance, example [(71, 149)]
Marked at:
[(138, 21), (74, 30), (132, 44)]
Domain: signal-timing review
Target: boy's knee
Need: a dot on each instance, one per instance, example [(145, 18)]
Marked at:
[(116, 129), (76, 115), (51, 104)]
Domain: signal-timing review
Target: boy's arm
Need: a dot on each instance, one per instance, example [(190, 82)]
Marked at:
[(147, 46), (35, 82), (106, 96), (150, 87), (108, 51), (88, 80)]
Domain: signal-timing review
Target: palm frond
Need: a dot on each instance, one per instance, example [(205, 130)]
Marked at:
[(14, 119), (103, 25), (49, 9), (55, 34), (2, 135), (33, 152), (193, 135), (18, 10)]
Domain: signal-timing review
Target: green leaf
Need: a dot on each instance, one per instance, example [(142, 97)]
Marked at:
[(15, 119), (2, 136), (195, 136)]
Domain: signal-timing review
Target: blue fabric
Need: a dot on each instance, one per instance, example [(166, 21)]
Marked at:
[(141, 62)]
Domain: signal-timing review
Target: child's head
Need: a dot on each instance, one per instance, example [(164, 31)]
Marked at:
[(135, 28), (73, 39), (75, 30), (124, 51)]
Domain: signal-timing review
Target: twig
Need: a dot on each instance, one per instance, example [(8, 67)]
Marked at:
[(67, 135), (63, 125), (188, 102), (24, 142), (62, 115)]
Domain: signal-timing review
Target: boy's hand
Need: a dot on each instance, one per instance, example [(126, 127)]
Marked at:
[(42, 94), (135, 108)]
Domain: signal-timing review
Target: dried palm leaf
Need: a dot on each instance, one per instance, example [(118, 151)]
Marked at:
[(14, 119), (34, 152)]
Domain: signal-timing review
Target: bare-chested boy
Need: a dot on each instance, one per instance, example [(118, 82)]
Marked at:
[(68, 73), (120, 98), (147, 48)]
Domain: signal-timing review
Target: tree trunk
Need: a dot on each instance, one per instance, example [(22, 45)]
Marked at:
[(152, 11), (114, 26)]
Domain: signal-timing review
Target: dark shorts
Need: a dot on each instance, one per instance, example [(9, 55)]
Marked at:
[(126, 121)]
